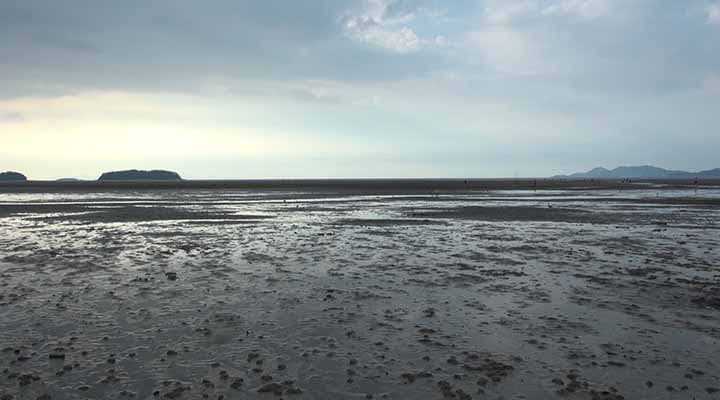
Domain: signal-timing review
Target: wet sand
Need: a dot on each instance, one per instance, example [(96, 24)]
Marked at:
[(375, 292)]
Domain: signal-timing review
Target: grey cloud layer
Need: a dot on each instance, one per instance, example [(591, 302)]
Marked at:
[(168, 44), (174, 44)]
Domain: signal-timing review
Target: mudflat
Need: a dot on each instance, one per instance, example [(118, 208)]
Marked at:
[(418, 289)]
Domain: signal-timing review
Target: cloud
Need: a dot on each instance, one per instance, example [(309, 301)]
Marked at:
[(55, 49), (502, 12), (11, 116), (713, 13), (400, 40), (508, 51), (384, 23), (584, 9), (590, 45), (712, 83)]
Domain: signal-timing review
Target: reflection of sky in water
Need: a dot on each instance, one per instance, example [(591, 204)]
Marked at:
[(291, 206), (223, 196)]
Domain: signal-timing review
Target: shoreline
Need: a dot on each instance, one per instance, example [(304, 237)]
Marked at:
[(386, 185)]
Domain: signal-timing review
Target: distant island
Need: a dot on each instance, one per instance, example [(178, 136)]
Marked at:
[(69, 180), (640, 172), (139, 175), (11, 176)]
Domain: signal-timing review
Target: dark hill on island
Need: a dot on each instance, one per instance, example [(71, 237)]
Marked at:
[(640, 172), (11, 176), (138, 175)]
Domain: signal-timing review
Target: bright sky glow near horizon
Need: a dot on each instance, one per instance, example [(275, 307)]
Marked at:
[(361, 88)]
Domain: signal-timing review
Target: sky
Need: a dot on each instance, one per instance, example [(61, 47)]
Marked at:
[(363, 88)]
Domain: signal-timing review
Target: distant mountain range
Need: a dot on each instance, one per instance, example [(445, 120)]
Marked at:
[(633, 172), (641, 172)]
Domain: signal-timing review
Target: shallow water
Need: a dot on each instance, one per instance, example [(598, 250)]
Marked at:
[(514, 294)]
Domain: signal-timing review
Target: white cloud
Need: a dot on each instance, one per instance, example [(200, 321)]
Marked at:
[(503, 12), (400, 40), (385, 24), (544, 38), (500, 12), (713, 13), (510, 52), (583, 9)]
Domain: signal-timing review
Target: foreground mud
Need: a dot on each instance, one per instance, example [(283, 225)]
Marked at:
[(231, 295)]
